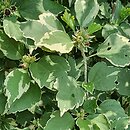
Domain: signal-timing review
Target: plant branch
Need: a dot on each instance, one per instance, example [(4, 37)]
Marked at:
[(92, 55), (85, 65)]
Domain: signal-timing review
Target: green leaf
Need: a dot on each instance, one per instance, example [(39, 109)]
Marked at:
[(74, 70), (53, 6), (89, 87), (27, 100), (123, 82), (124, 13), (101, 121), (104, 8), (71, 2), (86, 11), (101, 74), (125, 27), (116, 13), (66, 122), (94, 27), (20, 81), (83, 124), (28, 116), (47, 69), (43, 120), (1, 54), (51, 72), (112, 109), (10, 48), (58, 41), (69, 20), (122, 123), (12, 28), (90, 105), (3, 101), (2, 78), (108, 30), (95, 127), (69, 94), (50, 21), (116, 49), (30, 9), (33, 29)]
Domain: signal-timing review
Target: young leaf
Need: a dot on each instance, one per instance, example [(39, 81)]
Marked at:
[(94, 27), (86, 11), (69, 20), (124, 13), (116, 49), (89, 87)]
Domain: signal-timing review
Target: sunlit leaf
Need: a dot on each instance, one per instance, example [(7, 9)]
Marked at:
[(12, 28), (58, 41), (101, 121), (116, 49), (94, 27)]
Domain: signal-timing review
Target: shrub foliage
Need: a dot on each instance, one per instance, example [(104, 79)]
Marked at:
[(64, 65)]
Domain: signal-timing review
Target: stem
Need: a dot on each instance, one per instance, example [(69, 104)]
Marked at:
[(85, 58), (85, 64), (92, 55)]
